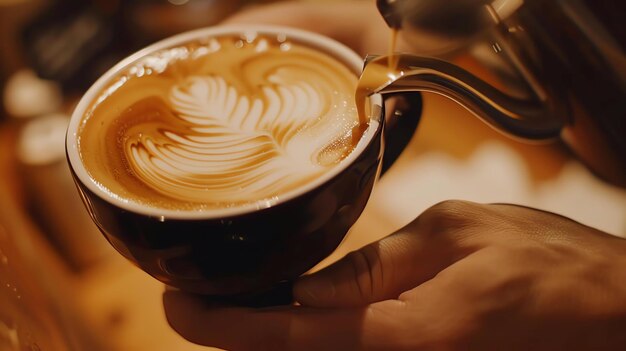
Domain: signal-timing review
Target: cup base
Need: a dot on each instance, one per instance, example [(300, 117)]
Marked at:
[(279, 295)]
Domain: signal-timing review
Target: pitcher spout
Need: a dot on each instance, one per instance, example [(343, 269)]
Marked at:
[(526, 119)]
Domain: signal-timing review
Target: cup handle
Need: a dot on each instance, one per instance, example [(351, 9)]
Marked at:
[(403, 112)]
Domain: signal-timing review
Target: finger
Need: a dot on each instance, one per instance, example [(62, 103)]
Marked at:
[(489, 271), (477, 301), (442, 235), (283, 328)]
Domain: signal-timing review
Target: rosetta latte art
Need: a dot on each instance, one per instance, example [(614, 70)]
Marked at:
[(220, 124), (238, 143)]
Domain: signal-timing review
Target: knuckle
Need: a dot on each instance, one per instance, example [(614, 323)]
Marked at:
[(447, 215), (364, 263)]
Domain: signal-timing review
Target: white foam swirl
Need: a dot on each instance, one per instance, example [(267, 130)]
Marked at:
[(241, 149)]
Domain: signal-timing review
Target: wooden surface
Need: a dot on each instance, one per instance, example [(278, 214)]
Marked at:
[(115, 306), (108, 306)]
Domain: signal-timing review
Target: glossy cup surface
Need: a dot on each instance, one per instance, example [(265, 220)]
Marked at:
[(243, 250)]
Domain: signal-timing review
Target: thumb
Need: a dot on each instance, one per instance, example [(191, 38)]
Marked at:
[(385, 269)]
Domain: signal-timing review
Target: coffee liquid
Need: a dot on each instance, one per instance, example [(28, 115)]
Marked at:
[(220, 123), (377, 73)]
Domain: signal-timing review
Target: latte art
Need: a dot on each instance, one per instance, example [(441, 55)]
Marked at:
[(234, 143), (220, 124)]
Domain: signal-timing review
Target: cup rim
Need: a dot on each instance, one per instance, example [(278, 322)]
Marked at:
[(330, 46)]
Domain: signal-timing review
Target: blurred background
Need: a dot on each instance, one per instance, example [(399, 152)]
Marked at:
[(61, 285)]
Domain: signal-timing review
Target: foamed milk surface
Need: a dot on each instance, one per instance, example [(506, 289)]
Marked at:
[(220, 123)]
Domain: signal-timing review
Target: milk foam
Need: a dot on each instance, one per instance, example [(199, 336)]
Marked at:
[(263, 122)]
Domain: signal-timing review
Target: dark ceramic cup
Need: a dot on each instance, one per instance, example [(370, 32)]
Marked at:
[(245, 253)]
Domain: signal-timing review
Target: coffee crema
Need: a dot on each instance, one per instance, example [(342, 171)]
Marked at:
[(220, 123)]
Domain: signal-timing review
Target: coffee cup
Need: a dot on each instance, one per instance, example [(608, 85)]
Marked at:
[(242, 225)]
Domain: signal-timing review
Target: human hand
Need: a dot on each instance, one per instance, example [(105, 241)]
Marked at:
[(460, 276)]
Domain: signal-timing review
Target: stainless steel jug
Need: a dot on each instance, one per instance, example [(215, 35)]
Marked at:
[(560, 64)]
